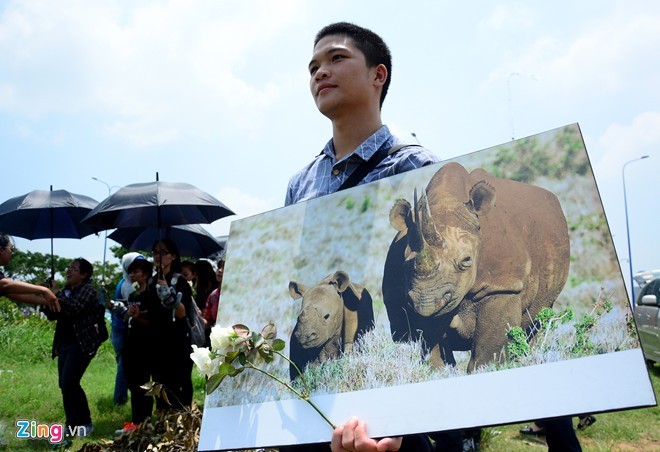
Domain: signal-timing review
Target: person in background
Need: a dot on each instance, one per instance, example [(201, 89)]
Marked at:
[(118, 327), (206, 282), (210, 313), (188, 272), (170, 301), (138, 343), (22, 292), (79, 332)]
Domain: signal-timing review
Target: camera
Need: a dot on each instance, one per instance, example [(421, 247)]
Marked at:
[(119, 308)]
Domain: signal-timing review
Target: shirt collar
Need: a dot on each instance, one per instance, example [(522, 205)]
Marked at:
[(365, 150)]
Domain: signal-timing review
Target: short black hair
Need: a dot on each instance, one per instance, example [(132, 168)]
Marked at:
[(370, 44), (85, 267), (141, 264), (5, 240)]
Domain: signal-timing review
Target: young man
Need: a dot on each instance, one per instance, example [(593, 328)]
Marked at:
[(349, 78), (350, 73)]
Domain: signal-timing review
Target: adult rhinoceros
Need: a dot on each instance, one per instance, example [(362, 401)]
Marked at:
[(474, 256), (334, 314)]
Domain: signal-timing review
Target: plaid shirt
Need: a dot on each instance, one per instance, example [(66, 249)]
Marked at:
[(211, 309), (324, 175), (81, 308)]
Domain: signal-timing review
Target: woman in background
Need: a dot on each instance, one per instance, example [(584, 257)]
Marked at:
[(171, 300)]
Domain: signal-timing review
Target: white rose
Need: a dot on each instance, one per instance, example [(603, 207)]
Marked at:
[(222, 339), (201, 356)]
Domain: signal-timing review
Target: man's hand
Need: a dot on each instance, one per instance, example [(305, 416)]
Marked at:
[(352, 436)]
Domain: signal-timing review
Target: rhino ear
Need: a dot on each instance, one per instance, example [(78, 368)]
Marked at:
[(296, 290), (357, 290), (400, 211), (482, 198), (341, 279)]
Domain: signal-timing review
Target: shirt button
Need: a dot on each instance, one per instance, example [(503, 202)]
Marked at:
[(335, 171)]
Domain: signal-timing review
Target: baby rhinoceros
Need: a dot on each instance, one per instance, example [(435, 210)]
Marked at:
[(335, 313)]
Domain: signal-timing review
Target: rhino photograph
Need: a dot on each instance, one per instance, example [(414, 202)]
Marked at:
[(418, 300)]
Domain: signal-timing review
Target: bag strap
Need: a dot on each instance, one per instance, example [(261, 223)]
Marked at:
[(367, 166)]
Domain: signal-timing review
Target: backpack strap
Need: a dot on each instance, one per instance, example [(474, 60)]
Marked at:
[(367, 166)]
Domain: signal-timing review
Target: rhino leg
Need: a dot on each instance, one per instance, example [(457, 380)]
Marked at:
[(495, 315), (331, 350), (441, 356)]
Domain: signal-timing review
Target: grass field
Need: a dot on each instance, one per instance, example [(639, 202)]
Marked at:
[(28, 391)]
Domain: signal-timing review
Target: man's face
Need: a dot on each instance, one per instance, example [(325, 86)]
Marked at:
[(73, 275), (339, 76)]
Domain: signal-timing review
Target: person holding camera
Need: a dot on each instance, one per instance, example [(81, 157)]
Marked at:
[(118, 327), (137, 340)]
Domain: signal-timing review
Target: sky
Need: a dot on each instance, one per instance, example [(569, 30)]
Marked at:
[(215, 94)]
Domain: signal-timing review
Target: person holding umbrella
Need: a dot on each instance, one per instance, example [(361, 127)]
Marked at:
[(79, 333), (171, 300), (19, 291)]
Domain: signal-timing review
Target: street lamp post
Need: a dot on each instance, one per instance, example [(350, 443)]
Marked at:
[(625, 206), (105, 239)]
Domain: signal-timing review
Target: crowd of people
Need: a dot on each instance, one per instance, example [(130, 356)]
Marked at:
[(150, 328), (154, 301)]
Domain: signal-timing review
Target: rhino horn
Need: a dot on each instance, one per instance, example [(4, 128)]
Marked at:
[(416, 241), (427, 225)]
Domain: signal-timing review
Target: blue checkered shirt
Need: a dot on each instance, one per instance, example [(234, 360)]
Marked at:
[(324, 175)]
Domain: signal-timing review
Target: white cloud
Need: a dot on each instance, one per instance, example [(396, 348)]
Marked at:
[(507, 16), (151, 70), (621, 143), (244, 204), (608, 56)]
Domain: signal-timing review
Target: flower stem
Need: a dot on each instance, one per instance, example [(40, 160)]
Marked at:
[(292, 389)]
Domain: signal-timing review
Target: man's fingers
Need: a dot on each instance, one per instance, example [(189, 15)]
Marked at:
[(335, 443)]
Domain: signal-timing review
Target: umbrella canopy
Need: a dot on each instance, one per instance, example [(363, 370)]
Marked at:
[(156, 204), (192, 240), (44, 214)]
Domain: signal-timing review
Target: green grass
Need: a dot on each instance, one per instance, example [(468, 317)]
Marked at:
[(624, 430), (29, 390), (28, 383)]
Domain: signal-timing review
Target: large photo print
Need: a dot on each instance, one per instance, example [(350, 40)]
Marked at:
[(477, 291)]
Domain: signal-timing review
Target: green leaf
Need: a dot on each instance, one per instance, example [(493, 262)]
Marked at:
[(225, 369), (266, 352), (231, 356), (278, 345), (257, 340), (213, 382)]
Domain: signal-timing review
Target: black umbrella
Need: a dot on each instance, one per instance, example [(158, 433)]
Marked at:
[(156, 204), (44, 214), (191, 239)]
